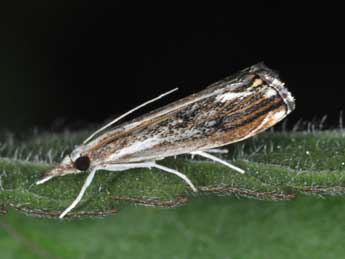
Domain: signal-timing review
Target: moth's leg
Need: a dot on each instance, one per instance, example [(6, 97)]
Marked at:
[(216, 159), (81, 193), (121, 167), (51, 174), (54, 173), (183, 176), (217, 151), (108, 167), (149, 164), (44, 179)]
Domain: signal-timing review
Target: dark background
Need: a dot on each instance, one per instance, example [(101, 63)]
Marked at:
[(71, 66)]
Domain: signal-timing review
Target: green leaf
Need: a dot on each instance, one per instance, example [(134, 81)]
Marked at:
[(279, 166)]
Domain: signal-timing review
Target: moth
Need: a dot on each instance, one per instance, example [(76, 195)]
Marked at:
[(228, 111)]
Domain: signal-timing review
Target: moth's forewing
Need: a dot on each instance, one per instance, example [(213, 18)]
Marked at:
[(228, 111)]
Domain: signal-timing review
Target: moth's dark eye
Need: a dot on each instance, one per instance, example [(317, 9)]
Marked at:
[(82, 163)]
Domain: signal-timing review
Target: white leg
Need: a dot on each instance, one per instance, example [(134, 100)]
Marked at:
[(108, 167), (45, 179), (81, 193), (217, 151), (216, 159), (121, 167), (172, 171)]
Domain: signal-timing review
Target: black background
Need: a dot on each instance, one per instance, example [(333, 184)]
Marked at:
[(70, 66)]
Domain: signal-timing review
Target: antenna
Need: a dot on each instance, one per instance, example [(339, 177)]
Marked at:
[(127, 113)]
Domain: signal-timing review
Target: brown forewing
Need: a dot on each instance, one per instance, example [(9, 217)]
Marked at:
[(201, 121)]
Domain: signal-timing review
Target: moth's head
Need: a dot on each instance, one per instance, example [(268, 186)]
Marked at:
[(82, 163), (76, 161), (69, 165)]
